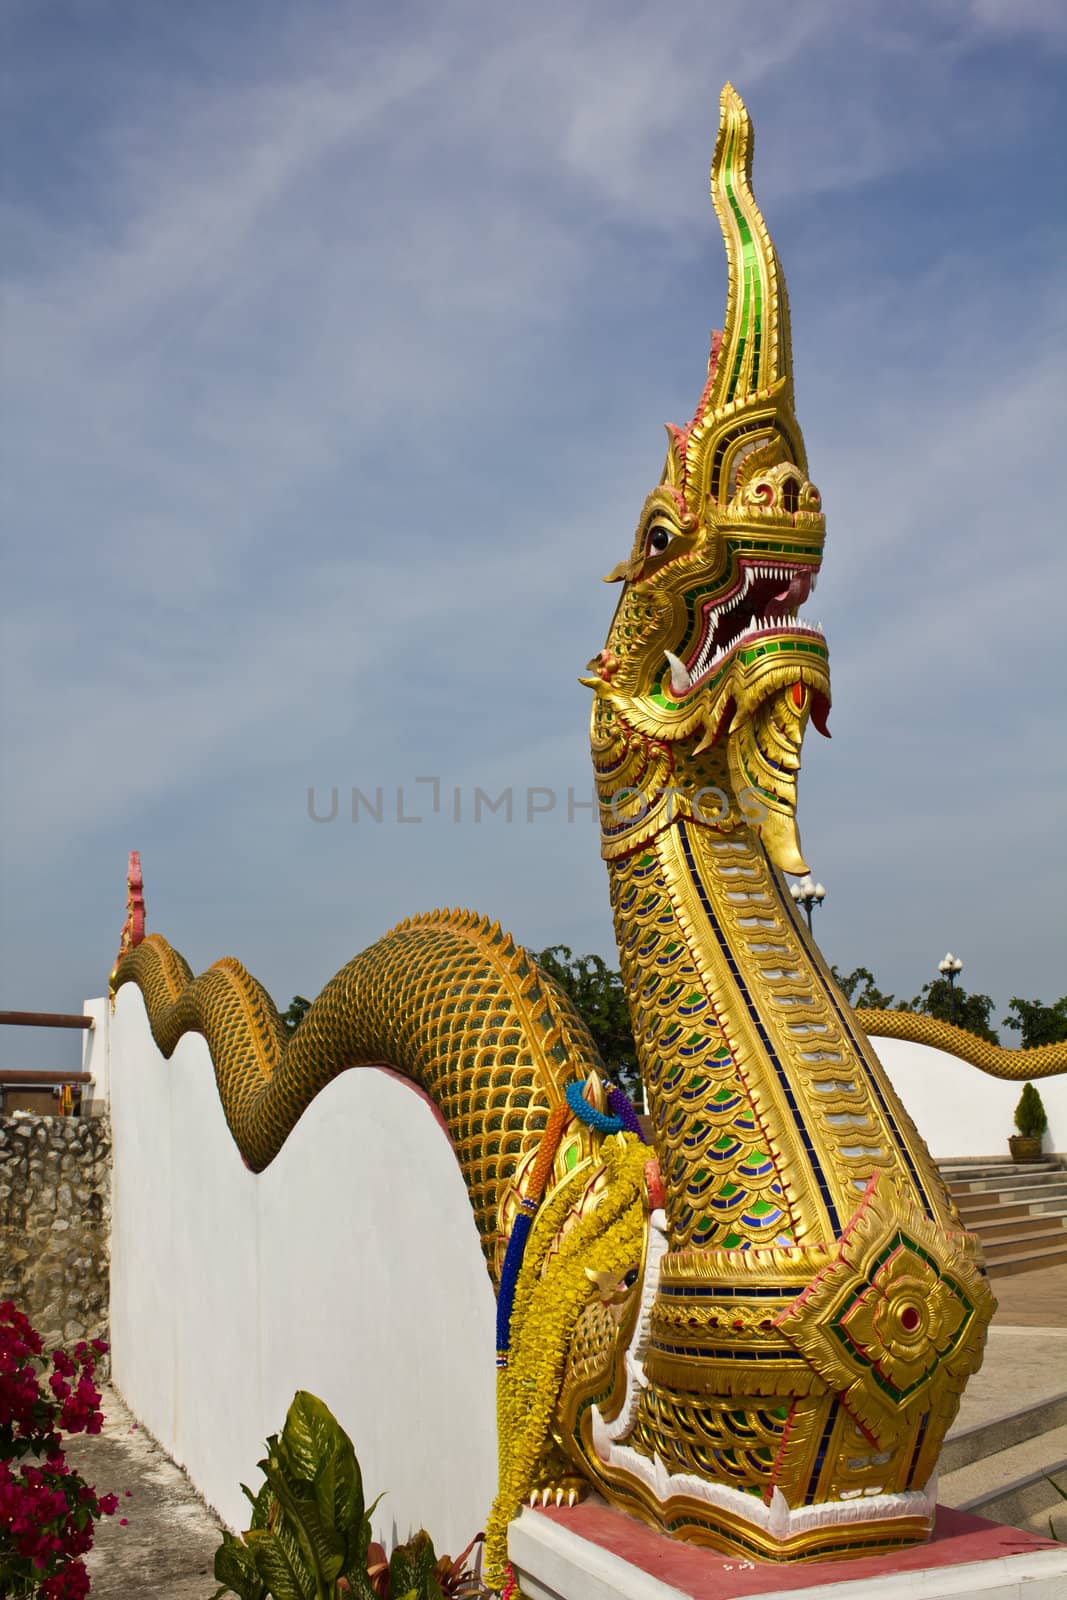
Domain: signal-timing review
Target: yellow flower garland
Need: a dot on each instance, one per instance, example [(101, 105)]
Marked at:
[(548, 1302)]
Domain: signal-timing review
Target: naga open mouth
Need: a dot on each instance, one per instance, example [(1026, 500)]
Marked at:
[(764, 601)]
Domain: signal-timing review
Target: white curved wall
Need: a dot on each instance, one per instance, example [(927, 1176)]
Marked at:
[(350, 1267), (963, 1112)]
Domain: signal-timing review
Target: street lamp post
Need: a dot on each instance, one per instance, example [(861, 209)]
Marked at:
[(809, 894), (950, 967)]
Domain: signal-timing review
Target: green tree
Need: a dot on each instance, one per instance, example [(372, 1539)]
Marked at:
[(861, 991), (294, 1016), (1039, 1024), (599, 996), (951, 1003), (945, 1000)]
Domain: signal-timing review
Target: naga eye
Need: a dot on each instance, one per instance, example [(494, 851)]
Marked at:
[(659, 539), (630, 1278)]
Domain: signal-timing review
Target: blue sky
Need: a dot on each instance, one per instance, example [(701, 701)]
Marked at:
[(338, 341)]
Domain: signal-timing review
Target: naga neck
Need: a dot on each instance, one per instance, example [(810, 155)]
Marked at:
[(770, 1111)]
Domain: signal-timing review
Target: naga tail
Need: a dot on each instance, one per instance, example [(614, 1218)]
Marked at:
[(448, 1001), (1043, 1061)]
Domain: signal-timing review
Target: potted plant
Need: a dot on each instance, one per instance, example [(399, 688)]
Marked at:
[(1031, 1121)]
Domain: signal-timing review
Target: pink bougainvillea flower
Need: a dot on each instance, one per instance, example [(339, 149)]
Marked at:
[(47, 1511)]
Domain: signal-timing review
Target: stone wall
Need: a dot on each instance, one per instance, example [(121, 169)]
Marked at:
[(55, 1222)]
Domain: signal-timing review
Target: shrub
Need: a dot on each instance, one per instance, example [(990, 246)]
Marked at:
[(1030, 1118), (47, 1511), (310, 1532)]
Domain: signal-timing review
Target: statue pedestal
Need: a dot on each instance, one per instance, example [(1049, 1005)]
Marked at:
[(592, 1552)]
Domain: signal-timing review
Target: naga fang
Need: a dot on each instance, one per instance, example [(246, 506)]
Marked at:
[(754, 1334)]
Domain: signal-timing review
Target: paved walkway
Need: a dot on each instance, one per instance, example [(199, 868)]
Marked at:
[(166, 1551), (1026, 1351), (1033, 1299)]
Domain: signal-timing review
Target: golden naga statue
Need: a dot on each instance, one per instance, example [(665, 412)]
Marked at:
[(754, 1332)]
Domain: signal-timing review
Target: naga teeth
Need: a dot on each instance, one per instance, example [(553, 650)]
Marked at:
[(681, 682), (682, 678)]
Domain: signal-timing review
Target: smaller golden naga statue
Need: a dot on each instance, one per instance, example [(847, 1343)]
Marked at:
[(753, 1330)]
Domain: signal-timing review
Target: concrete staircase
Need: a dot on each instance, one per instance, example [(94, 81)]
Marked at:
[(1019, 1211), (1001, 1469)]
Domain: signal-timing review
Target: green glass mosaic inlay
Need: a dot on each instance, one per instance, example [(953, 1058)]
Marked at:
[(751, 296)]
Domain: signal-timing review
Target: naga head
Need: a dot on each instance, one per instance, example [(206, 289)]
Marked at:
[(709, 675)]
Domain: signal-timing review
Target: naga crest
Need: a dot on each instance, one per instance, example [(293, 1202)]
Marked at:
[(708, 673)]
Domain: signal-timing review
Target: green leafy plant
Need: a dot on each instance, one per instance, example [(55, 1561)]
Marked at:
[(309, 1537), (1030, 1117), (460, 1579), (310, 1529)]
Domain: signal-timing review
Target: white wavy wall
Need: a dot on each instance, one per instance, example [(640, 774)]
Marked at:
[(350, 1267), (963, 1112)]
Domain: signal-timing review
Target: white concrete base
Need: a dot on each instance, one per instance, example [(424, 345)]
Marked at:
[(553, 1563), (1040, 1576)]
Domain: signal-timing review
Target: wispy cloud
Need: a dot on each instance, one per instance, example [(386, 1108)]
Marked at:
[(336, 349)]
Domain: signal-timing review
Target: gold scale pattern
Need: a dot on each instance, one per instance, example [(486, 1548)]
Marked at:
[(735, 1168), (735, 1181), (447, 999), (1042, 1061)]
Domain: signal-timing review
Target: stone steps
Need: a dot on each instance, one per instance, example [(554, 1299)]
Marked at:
[(994, 1214), (1009, 1482), (1028, 1261), (1018, 1211), (977, 1189), (979, 1199), (994, 1225), (984, 1439), (1021, 1237), (962, 1169)]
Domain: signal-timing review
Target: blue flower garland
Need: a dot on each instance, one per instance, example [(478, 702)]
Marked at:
[(599, 1121)]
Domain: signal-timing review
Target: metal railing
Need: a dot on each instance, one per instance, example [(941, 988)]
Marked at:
[(45, 1019), (30, 1078)]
